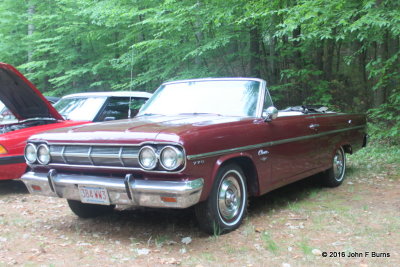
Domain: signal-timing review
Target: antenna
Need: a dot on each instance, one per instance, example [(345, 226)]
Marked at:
[(130, 86)]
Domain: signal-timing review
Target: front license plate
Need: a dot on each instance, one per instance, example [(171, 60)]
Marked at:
[(94, 195)]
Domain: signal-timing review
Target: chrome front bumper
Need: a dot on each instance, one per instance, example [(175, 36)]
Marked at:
[(128, 191)]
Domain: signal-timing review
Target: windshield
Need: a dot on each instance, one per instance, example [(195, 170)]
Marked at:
[(222, 97), (6, 116), (80, 108)]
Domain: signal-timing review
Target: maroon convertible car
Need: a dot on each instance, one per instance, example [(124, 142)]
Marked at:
[(211, 143)]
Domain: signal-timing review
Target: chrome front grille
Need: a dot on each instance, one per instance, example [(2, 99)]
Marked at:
[(95, 155)]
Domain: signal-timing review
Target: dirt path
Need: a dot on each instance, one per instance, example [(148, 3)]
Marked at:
[(291, 226)]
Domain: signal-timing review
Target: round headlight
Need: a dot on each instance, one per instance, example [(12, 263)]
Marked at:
[(147, 158), (43, 154), (30, 153), (171, 158)]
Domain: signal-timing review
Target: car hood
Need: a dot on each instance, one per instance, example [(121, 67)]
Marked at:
[(21, 97), (139, 129)]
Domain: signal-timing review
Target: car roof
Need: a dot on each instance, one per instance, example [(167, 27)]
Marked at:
[(111, 94)]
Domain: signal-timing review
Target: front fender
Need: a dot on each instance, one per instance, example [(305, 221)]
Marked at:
[(217, 165)]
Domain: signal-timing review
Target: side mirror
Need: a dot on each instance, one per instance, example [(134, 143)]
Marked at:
[(270, 113)]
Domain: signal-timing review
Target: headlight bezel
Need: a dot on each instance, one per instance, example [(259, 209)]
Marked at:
[(180, 158), (38, 149), (34, 153), (152, 149)]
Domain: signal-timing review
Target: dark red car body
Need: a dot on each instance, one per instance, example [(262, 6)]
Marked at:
[(270, 153), (212, 139)]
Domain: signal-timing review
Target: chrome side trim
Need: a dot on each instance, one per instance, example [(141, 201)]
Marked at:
[(266, 144), (323, 115)]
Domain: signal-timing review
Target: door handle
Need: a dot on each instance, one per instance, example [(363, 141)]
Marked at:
[(313, 126)]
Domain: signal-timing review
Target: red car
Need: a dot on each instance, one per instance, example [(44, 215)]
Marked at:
[(35, 114), (210, 143)]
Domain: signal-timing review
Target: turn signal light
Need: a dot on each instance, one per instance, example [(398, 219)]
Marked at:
[(169, 199), (36, 188), (3, 150)]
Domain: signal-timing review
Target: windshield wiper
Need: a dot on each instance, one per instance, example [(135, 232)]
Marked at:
[(199, 113), (37, 119), (149, 114), (65, 116)]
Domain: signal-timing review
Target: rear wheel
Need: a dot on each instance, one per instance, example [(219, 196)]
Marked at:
[(335, 175), (84, 210), (225, 208)]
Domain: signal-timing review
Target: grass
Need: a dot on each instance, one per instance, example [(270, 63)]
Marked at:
[(160, 240), (305, 247), (248, 229), (393, 224), (269, 243), (318, 221), (376, 158), (208, 256), (19, 221), (295, 206), (230, 249)]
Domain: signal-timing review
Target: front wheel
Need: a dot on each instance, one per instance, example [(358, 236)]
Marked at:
[(84, 210), (335, 175), (225, 208)]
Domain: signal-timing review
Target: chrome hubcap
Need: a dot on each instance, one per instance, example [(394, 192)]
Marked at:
[(229, 197), (338, 165)]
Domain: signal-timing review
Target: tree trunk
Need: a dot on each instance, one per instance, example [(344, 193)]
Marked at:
[(319, 59), (31, 29), (272, 71), (302, 92), (338, 56), (199, 35), (255, 52), (383, 51), (330, 49)]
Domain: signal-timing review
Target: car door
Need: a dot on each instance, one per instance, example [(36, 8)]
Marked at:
[(291, 148)]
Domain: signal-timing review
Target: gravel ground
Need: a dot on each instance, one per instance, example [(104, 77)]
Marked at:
[(292, 226)]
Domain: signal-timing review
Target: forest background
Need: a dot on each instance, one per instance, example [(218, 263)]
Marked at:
[(341, 53)]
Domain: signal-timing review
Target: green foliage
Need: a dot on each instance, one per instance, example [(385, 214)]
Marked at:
[(344, 54), (377, 158), (385, 120)]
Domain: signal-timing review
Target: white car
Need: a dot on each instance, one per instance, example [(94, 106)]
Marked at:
[(101, 106)]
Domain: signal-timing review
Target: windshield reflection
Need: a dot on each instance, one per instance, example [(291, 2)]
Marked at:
[(80, 108), (222, 97)]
